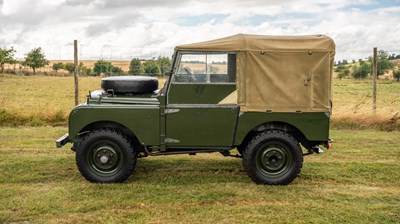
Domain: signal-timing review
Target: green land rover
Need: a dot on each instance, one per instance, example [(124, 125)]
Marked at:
[(269, 97)]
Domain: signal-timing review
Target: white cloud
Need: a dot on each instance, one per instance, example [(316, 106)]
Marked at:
[(156, 25)]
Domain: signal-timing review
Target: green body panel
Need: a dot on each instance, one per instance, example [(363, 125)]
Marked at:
[(314, 126), (202, 126), (142, 120), (191, 93)]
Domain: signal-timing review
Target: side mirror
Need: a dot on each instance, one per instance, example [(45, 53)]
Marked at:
[(169, 73)]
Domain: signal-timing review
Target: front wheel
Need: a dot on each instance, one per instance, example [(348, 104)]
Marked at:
[(273, 157), (105, 156)]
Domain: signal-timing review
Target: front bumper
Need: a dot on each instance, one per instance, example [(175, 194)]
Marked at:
[(62, 141)]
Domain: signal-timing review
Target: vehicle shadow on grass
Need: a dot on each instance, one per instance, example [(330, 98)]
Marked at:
[(151, 170), (189, 170)]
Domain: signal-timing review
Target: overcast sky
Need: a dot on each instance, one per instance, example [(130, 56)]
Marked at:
[(119, 29)]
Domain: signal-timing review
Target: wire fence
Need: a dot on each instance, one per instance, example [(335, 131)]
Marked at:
[(120, 56)]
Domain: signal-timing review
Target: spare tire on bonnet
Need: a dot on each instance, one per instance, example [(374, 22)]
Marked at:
[(129, 84)]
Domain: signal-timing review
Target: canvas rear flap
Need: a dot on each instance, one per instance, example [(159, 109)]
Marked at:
[(284, 81)]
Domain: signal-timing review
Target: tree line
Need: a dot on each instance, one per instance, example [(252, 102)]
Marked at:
[(158, 66), (363, 68), (33, 59), (36, 59)]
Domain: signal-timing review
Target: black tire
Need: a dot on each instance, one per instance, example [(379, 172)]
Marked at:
[(129, 84), (240, 149), (243, 145), (273, 157), (105, 156)]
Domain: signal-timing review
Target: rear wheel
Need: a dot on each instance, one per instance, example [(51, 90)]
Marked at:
[(105, 156), (273, 157)]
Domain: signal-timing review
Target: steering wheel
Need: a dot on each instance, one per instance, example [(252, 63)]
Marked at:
[(192, 78)]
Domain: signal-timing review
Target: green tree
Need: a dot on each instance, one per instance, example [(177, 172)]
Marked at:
[(70, 67), (116, 71), (6, 57), (58, 66), (102, 66), (340, 68), (87, 71), (343, 74), (135, 67), (361, 71), (35, 59), (164, 64), (151, 68), (396, 74), (81, 66), (383, 62)]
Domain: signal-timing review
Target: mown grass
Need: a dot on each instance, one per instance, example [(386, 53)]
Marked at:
[(356, 182), (43, 100)]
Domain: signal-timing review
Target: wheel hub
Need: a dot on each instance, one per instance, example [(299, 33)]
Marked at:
[(273, 159), (104, 159)]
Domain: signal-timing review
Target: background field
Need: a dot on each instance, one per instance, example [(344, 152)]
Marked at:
[(356, 182), (41, 100)]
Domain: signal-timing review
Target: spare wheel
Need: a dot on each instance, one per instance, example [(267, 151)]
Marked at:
[(129, 84)]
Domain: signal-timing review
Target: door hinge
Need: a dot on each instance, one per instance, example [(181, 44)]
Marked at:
[(171, 140), (171, 111)]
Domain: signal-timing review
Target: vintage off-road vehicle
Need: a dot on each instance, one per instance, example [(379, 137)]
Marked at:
[(266, 96)]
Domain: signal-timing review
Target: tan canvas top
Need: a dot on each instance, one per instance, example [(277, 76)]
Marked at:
[(247, 42), (278, 73)]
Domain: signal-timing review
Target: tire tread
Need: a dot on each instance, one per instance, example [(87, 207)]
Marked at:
[(126, 145), (251, 148)]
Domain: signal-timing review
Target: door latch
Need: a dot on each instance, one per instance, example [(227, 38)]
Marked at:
[(171, 111)]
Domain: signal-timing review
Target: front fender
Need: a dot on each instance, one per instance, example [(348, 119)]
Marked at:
[(142, 120)]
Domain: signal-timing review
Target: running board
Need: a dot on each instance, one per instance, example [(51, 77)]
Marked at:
[(178, 152)]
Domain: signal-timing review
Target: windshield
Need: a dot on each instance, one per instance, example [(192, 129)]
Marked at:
[(205, 68)]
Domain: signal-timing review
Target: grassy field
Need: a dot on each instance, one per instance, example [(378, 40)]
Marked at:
[(356, 182), (352, 104), (43, 100)]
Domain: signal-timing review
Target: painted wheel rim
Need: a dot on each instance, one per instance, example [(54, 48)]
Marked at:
[(105, 158), (273, 159)]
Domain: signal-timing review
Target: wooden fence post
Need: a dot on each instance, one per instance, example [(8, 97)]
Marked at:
[(76, 72), (374, 77)]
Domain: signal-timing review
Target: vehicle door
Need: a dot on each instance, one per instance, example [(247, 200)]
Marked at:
[(198, 113)]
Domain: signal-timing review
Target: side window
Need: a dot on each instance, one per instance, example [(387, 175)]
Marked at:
[(206, 68)]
